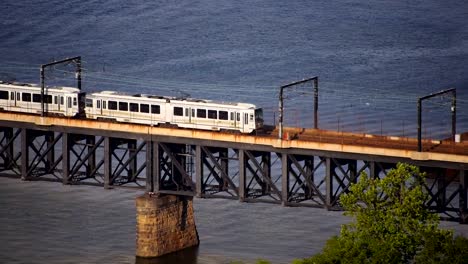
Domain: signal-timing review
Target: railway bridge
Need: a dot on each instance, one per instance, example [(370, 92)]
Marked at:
[(307, 167)]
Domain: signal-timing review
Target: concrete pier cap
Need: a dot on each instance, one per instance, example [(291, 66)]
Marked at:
[(165, 224)]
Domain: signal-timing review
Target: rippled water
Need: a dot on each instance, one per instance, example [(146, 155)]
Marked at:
[(373, 61)]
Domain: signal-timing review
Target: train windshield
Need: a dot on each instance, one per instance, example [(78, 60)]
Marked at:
[(259, 115)]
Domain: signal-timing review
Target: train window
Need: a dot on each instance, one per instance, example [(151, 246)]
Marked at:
[(144, 108), (155, 109), (123, 106), (89, 102), (26, 97), (61, 100), (238, 117), (212, 114), (36, 98), (251, 117), (178, 111), (223, 115), (4, 95), (231, 116), (55, 99), (246, 118), (134, 107), (112, 105), (201, 113), (48, 99), (98, 104), (104, 104), (12, 97), (193, 112), (17, 96), (75, 102), (69, 102), (187, 112)]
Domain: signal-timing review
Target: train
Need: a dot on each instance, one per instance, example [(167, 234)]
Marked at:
[(143, 109)]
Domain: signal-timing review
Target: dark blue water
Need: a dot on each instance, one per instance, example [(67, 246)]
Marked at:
[(373, 59)]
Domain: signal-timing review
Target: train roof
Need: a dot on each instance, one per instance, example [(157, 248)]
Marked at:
[(115, 95), (17, 85)]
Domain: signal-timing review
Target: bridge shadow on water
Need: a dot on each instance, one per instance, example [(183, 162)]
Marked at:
[(186, 256)]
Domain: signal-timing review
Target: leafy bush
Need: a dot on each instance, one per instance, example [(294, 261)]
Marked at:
[(391, 225)]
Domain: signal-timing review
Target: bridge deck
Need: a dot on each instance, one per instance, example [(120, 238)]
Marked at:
[(305, 139)]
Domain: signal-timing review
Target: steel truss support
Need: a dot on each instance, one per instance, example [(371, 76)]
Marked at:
[(300, 183), (379, 170), (38, 153), (121, 161), (255, 181), (173, 175), (79, 158), (297, 179), (8, 158), (340, 173), (212, 173), (447, 193)]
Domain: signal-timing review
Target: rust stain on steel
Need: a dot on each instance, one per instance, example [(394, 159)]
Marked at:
[(313, 139)]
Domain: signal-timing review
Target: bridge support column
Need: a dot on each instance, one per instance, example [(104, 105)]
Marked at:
[(373, 171), (149, 166), (50, 156), (165, 224), (90, 143), (6, 146), (242, 176), (463, 196), (329, 170), (66, 146), (24, 154), (200, 179), (108, 148), (441, 189), (285, 165), (132, 162)]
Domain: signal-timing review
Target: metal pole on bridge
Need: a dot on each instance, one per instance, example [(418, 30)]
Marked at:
[(419, 125), (280, 123), (77, 61), (42, 90), (281, 106), (316, 102), (452, 109)]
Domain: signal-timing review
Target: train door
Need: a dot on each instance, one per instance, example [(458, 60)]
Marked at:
[(99, 106), (12, 99), (60, 103), (245, 122), (189, 115), (236, 119), (68, 108)]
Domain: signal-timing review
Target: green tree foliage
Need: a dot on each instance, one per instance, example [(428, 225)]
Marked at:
[(391, 225)]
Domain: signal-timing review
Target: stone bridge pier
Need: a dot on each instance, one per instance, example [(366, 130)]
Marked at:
[(165, 224)]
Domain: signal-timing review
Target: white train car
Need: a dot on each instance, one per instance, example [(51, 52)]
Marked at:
[(26, 98), (212, 115), (186, 113), (121, 107)]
